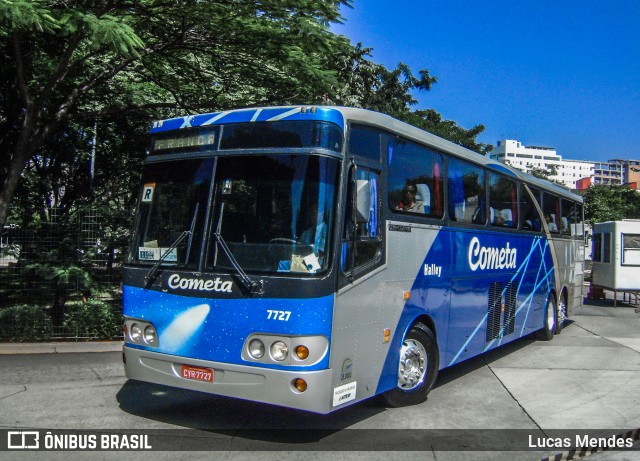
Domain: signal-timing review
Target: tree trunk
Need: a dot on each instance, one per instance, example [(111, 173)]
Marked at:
[(57, 310), (18, 161), (30, 139)]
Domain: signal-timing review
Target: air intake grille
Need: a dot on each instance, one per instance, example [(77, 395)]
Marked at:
[(501, 301), (510, 308), (494, 312)]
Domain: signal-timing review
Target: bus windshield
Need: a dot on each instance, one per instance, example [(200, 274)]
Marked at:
[(273, 213), (174, 202)]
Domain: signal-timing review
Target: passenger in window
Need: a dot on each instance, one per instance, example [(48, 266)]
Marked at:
[(553, 227), (409, 200)]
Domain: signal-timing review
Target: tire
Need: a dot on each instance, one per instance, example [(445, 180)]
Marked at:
[(417, 368), (562, 314), (550, 320)]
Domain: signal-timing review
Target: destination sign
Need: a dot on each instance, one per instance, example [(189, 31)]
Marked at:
[(185, 142)]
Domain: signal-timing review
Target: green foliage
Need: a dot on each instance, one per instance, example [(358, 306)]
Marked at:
[(432, 121), (546, 173), (68, 64), (64, 274), (93, 318), (78, 74), (24, 322), (611, 203), (25, 15), (363, 83)]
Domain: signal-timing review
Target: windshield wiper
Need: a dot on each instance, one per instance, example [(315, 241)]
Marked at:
[(150, 275), (249, 284)]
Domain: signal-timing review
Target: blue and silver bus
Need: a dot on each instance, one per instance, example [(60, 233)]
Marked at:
[(313, 257)]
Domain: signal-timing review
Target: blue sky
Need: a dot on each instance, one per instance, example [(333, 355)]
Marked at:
[(563, 73)]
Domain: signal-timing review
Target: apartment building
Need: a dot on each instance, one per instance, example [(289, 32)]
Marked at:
[(526, 158)]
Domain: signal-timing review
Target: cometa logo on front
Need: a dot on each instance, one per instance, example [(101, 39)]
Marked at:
[(487, 258), (177, 283)]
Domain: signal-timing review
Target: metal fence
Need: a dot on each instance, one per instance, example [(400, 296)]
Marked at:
[(65, 258)]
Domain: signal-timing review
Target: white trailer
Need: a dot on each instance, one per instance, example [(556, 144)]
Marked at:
[(616, 256)]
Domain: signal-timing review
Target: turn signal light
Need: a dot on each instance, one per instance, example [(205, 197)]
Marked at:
[(300, 384), (302, 352)]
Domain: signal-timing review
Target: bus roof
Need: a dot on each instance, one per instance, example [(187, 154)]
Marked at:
[(340, 116)]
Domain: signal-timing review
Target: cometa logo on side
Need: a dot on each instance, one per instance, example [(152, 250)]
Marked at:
[(487, 258)]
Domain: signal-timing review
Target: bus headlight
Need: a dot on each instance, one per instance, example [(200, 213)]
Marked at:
[(295, 351), (135, 333), (256, 349), (150, 335), (279, 351), (140, 332)]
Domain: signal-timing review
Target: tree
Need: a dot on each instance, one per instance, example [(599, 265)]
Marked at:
[(75, 62), (363, 83), (433, 122), (547, 173), (610, 203)]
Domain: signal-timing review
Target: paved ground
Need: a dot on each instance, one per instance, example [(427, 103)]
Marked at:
[(586, 378)]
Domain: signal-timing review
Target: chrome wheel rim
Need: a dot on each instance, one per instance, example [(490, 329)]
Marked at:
[(551, 318), (413, 365), (562, 312)]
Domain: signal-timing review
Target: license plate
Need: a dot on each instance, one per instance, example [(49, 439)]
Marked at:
[(197, 373)]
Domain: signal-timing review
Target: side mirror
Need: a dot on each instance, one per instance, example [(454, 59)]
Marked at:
[(363, 197)]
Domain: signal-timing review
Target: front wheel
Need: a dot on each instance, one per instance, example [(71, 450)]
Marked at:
[(550, 320), (417, 368)]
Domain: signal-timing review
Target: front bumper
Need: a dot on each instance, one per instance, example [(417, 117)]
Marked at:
[(239, 381)]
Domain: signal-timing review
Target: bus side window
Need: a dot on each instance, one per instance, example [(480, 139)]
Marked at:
[(361, 243), (577, 229), (503, 201), (415, 179), (529, 217), (567, 216), (551, 210), (467, 195)]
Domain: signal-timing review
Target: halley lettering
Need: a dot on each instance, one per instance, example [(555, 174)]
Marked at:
[(484, 258), (178, 283)]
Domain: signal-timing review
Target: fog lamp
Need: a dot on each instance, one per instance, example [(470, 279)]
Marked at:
[(300, 384)]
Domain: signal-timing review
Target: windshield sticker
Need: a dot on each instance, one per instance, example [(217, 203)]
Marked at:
[(147, 192), (153, 254), (312, 263)]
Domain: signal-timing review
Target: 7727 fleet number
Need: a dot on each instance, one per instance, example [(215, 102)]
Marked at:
[(278, 315)]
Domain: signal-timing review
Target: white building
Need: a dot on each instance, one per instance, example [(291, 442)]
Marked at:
[(526, 158)]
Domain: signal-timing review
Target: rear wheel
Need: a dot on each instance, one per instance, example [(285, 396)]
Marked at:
[(417, 367), (550, 320), (562, 314)]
